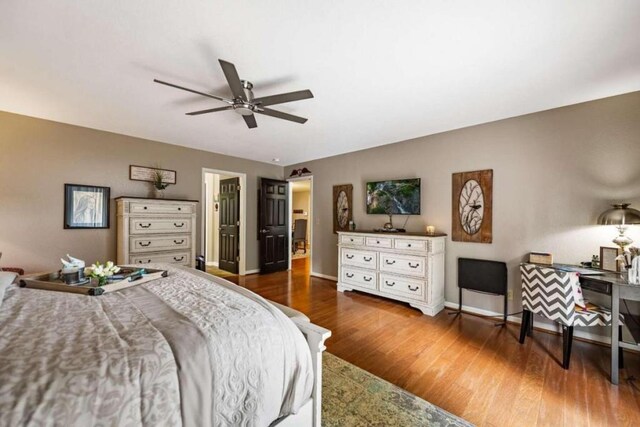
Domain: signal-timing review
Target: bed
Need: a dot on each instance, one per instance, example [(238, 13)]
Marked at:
[(190, 349)]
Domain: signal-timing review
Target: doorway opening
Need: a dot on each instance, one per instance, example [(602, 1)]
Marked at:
[(223, 238), (301, 220)]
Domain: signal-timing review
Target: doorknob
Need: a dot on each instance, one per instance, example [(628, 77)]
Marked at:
[(264, 231)]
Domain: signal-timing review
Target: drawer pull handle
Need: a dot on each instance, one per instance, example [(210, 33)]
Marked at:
[(389, 262), (145, 226), (144, 262), (144, 245), (179, 209), (178, 225), (351, 240), (408, 245), (389, 283), (367, 259), (178, 242), (178, 259), (377, 242), (349, 275), (414, 266), (411, 289), (145, 208), (349, 256), (368, 279)]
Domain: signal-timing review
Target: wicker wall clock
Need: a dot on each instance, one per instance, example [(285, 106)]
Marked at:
[(342, 207), (472, 207)]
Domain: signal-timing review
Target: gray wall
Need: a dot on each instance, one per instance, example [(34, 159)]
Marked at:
[(554, 172), (37, 157)]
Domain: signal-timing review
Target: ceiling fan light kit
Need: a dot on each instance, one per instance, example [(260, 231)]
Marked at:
[(244, 102)]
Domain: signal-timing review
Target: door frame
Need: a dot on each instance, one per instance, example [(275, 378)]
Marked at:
[(242, 266), (309, 223)]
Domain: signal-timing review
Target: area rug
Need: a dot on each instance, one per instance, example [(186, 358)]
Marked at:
[(352, 397)]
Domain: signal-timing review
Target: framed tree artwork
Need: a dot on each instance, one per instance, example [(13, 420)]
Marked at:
[(472, 207), (342, 207)]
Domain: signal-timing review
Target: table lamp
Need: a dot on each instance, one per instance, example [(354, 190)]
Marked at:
[(620, 215)]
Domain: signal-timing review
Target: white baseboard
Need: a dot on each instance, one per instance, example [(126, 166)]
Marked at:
[(256, 271), (324, 276), (539, 323), (212, 263)]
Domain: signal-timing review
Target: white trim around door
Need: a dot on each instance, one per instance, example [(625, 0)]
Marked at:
[(242, 267), (311, 216)]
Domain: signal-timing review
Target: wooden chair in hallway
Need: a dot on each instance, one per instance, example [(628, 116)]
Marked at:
[(299, 235), (550, 293)]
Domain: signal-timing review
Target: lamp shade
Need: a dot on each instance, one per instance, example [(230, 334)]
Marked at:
[(619, 214)]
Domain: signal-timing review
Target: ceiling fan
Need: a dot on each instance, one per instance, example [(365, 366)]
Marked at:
[(243, 102)]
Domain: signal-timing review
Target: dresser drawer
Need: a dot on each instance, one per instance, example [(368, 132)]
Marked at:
[(379, 242), (359, 258), (355, 277), (141, 244), (403, 264), (410, 244), (350, 239), (402, 286), (157, 208), (159, 225), (182, 258)]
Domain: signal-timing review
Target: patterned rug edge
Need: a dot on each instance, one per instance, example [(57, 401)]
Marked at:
[(355, 397)]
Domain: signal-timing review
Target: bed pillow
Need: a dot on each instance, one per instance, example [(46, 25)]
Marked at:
[(6, 278)]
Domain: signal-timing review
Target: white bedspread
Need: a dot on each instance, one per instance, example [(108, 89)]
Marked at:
[(189, 349)]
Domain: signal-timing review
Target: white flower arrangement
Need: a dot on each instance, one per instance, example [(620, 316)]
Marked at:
[(102, 272)]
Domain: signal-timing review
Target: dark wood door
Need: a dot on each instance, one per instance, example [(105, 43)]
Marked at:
[(229, 239), (273, 225)]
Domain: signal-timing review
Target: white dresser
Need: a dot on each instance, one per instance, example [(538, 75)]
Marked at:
[(156, 230), (402, 266)]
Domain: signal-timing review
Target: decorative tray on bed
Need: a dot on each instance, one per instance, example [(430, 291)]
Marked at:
[(126, 278)]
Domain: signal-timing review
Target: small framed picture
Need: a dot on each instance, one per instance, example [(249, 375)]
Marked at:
[(608, 259), (143, 173), (86, 206)]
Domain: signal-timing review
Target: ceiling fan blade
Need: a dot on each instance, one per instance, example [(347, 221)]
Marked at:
[(210, 110), (192, 91), (250, 121), (284, 97), (281, 115), (233, 79)]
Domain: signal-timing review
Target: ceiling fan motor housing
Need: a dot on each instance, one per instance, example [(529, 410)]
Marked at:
[(245, 108)]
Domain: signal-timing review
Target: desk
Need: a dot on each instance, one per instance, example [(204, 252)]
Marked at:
[(614, 285)]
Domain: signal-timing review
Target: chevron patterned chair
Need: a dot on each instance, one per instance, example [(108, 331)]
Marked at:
[(550, 293)]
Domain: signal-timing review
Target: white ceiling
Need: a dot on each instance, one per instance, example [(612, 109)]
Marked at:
[(381, 72)]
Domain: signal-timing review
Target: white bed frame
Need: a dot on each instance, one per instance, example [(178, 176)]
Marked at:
[(310, 413)]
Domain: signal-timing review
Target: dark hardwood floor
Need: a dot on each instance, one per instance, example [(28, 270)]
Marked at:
[(462, 364)]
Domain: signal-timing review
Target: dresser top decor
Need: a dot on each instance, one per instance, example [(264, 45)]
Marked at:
[(397, 233), (151, 198)]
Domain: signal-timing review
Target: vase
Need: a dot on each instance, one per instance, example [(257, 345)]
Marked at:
[(158, 194)]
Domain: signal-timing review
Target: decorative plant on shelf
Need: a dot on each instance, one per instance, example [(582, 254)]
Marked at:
[(103, 272), (158, 183)]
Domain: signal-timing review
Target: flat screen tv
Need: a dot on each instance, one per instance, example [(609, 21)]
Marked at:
[(397, 197)]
